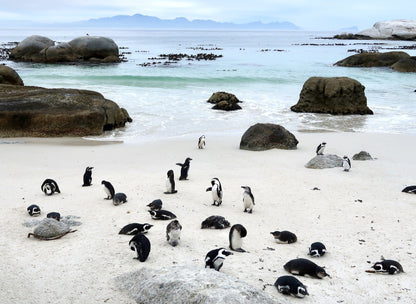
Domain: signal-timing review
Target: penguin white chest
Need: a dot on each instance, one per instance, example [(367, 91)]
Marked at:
[(168, 185), (236, 240), (248, 202), (107, 191), (174, 234), (218, 262)]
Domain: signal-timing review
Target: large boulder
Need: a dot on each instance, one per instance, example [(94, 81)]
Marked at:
[(332, 95), (188, 284), (88, 48), (9, 76), (40, 112), (324, 161), (395, 29), (224, 101), (405, 65), (373, 59), (267, 136)]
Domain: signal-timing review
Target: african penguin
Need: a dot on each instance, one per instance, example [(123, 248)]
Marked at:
[(87, 177), (119, 198), (284, 237), (248, 199), (170, 183), (173, 232), (317, 249), (54, 215), (346, 164), (320, 149), (33, 210), (135, 228), (216, 222), (162, 215), (155, 205), (141, 245), (201, 142), (49, 187), (289, 285), (410, 189), (236, 235), (215, 258), (216, 191), (305, 267), (184, 168), (108, 189), (388, 266)]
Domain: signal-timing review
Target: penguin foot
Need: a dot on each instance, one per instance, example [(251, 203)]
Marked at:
[(240, 250), (245, 210), (251, 211)]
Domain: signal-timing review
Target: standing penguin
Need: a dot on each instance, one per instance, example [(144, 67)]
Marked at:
[(215, 258), (201, 142), (49, 187), (173, 232), (237, 233), (216, 191), (170, 183), (248, 199), (141, 245), (320, 149), (108, 189), (184, 168), (346, 163), (87, 177)]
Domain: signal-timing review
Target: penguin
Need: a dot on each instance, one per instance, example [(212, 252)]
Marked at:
[(87, 177), (320, 149), (49, 186), (173, 232), (54, 215), (119, 198), (346, 164), (184, 168), (135, 228), (304, 266), (388, 266), (201, 142), (33, 210), (141, 245), (289, 285), (317, 249), (284, 237), (155, 205), (216, 191), (215, 258), (237, 233), (162, 215), (108, 189), (410, 189), (216, 222), (248, 199), (170, 183)]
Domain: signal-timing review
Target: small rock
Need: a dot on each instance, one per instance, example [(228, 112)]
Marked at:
[(363, 155)]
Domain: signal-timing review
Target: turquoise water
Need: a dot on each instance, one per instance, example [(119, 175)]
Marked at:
[(264, 69)]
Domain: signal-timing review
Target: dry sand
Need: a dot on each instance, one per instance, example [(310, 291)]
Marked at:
[(80, 267)]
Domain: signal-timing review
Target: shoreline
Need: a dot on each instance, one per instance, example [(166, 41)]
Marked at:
[(81, 266)]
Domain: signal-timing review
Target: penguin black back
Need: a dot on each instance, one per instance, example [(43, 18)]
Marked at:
[(141, 245), (216, 222), (410, 189), (87, 178), (305, 267)]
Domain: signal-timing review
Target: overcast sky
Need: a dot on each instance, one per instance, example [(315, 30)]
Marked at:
[(308, 14)]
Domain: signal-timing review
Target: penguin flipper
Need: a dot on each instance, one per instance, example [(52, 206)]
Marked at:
[(209, 189), (179, 164)]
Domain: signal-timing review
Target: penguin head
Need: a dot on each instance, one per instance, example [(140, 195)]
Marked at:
[(246, 188), (378, 266), (146, 227), (323, 144), (321, 273), (188, 159), (302, 292), (276, 234), (314, 252), (225, 252), (89, 169), (170, 173), (103, 182), (33, 210)]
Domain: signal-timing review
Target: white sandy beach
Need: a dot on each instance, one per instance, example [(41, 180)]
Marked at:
[(80, 267)]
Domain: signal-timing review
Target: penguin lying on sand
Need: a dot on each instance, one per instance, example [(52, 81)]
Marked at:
[(49, 187), (305, 267), (215, 258), (173, 232), (135, 228), (289, 285)]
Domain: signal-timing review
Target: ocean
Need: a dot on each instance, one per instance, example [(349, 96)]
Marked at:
[(264, 69)]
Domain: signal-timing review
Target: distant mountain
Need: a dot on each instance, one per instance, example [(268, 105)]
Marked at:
[(142, 21)]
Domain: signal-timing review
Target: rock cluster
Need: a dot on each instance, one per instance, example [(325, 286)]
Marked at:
[(82, 49), (267, 136), (224, 101), (188, 284), (332, 95)]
